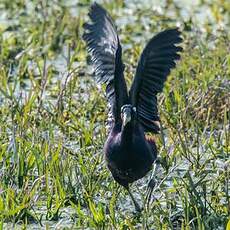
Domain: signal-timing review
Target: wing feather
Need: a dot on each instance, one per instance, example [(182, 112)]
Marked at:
[(105, 51), (156, 61)]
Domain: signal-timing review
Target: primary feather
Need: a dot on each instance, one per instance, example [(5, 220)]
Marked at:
[(106, 55), (156, 61)]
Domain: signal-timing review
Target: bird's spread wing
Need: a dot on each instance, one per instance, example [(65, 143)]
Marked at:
[(106, 55), (153, 68)]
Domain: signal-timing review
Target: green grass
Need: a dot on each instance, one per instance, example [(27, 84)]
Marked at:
[(52, 119)]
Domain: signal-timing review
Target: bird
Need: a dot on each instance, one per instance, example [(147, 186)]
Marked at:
[(133, 114)]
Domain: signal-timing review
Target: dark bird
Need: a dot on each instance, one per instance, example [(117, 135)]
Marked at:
[(129, 153)]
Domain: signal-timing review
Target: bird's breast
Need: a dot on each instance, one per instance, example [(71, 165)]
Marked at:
[(129, 159)]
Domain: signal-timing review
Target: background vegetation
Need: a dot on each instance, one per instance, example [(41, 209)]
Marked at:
[(52, 118)]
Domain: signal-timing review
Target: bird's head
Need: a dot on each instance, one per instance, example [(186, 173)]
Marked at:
[(127, 114)]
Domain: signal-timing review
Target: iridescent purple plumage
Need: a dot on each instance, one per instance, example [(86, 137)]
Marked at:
[(129, 153)]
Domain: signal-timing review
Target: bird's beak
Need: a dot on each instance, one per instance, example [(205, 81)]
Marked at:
[(126, 118)]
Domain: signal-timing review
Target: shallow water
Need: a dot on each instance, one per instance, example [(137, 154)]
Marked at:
[(145, 17)]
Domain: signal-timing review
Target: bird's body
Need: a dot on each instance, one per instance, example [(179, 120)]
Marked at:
[(129, 155), (128, 152)]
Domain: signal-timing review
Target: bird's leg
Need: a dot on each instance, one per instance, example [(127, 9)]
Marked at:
[(151, 185), (137, 206)]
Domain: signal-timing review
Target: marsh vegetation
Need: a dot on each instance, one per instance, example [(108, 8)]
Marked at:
[(52, 118)]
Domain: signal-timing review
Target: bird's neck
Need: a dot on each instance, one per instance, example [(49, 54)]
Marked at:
[(127, 132)]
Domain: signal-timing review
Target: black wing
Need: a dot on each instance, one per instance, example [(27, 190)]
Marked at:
[(153, 68), (106, 54)]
